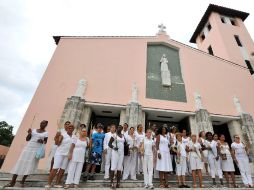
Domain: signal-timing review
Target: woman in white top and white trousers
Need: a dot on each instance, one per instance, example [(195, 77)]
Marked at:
[(107, 150), (147, 147), (226, 160), (27, 163), (164, 163), (140, 135), (239, 151), (77, 158), (117, 145), (61, 161), (130, 160), (213, 157)]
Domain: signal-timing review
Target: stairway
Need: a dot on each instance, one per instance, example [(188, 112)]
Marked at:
[(38, 181)]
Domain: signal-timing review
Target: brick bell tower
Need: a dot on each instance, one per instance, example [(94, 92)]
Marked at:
[(221, 32)]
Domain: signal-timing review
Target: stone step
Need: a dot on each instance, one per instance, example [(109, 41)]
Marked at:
[(100, 176), (42, 188), (102, 183), (40, 180)]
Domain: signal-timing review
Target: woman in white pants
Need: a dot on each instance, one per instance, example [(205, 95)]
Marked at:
[(61, 161), (212, 157), (181, 163), (107, 150), (164, 163), (77, 157), (117, 145), (130, 160), (147, 147), (239, 151), (226, 160), (140, 135), (217, 158)]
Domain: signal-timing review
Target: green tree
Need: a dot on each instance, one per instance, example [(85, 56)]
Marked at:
[(6, 135)]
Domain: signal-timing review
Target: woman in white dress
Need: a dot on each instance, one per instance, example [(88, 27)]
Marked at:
[(201, 140), (117, 143), (226, 160), (164, 163), (147, 147), (239, 150), (140, 135), (61, 157), (27, 163), (77, 157), (131, 160), (196, 160)]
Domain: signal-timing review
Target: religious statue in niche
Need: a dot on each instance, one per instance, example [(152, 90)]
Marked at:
[(165, 73), (238, 105), (81, 88), (198, 101), (134, 93)]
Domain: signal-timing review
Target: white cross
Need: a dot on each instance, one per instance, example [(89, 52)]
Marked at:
[(162, 28)]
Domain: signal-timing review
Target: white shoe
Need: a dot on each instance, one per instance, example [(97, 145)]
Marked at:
[(48, 186), (146, 187), (151, 187)]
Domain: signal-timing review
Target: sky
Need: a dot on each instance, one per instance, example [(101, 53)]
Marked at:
[(27, 27)]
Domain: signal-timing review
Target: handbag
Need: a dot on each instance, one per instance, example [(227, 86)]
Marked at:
[(126, 148), (40, 152), (223, 156)]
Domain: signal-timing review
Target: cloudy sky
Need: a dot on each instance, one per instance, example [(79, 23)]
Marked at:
[(27, 27)]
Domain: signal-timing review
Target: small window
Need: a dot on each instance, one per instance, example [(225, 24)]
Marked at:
[(209, 26), (222, 19), (210, 50), (202, 36), (249, 67), (233, 22), (237, 39)]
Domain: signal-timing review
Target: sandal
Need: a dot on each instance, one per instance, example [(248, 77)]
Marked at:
[(194, 186), (9, 185), (162, 186)]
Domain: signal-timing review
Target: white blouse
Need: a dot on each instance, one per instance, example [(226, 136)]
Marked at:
[(64, 147), (36, 136), (79, 150), (148, 146)]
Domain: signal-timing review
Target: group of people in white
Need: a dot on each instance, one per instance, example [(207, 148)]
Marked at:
[(124, 152)]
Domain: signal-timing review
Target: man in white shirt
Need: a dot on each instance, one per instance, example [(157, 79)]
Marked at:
[(107, 149)]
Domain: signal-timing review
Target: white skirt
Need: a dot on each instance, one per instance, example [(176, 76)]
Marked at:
[(164, 164), (27, 163), (228, 165), (196, 163)]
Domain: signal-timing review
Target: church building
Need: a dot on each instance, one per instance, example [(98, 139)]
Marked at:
[(150, 80)]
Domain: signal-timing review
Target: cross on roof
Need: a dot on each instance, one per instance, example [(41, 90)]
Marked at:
[(161, 27)]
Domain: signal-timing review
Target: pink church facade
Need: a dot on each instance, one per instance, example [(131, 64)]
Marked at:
[(207, 92)]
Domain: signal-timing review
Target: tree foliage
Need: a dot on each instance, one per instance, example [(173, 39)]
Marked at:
[(6, 135)]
